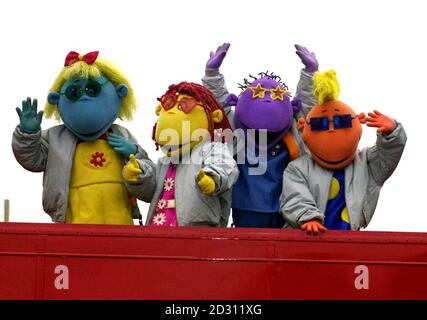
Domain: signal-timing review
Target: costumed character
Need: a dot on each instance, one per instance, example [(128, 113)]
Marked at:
[(192, 182), (264, 106), (82, 159), (337, 186)]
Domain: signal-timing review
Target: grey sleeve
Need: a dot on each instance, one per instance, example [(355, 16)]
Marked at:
[(297, 204), (305, 93), (385, 155), (220, 165), (31, 149), (214, 81), (145, 186)]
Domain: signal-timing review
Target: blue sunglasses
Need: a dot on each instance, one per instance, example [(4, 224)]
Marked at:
[(342, 121)]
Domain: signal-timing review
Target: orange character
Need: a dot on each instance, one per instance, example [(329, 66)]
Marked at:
[(337, 186)]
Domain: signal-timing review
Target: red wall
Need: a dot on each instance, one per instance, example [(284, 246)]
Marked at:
[(119, 262)]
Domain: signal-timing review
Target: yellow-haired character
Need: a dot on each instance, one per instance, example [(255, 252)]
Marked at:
[(337, 186), (82, 158)]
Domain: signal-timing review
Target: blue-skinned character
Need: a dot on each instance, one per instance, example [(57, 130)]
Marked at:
[(82, 159), (263, 116)]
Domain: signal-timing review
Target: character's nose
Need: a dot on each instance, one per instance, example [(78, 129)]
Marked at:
[(171, 112)]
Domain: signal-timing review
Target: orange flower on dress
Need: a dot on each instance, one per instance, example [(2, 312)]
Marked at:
[(98, 159)]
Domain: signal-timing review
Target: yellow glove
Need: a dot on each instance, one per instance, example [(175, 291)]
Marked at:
[(206, 183), (131, 172)]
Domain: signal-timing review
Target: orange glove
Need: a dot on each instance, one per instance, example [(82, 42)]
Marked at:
[(301, 123), (382, 122), (314, 227)]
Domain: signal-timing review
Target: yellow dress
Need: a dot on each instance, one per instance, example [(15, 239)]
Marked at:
[(97, 193)]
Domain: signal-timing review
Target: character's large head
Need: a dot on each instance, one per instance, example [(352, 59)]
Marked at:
[(332, 129), (89, 94), (188, 115), (264, 103)]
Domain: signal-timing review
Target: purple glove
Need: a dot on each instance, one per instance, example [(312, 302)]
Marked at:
[(307, 58), (215, 59), (296, 104), (232, 99)]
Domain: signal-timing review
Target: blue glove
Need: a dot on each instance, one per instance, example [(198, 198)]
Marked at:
[(122, 145), (29, 119)]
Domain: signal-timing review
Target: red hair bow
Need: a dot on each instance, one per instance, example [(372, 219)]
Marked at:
[(74, 57)]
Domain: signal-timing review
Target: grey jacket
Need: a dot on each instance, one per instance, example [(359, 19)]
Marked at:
[(193, 208), (306, 184), (52, 151)]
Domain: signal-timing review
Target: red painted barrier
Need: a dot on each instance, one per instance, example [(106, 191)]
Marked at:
[(120, 262)]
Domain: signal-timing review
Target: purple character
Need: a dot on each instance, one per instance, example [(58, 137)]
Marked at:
[(264, 115)]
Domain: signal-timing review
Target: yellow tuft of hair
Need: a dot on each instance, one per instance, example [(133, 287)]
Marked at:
[(98, 68), (326, 86)]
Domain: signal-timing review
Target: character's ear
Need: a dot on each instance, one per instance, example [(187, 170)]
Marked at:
[(301, 123), (122, 90), (232, 99), (53, 98), (217, 116), (158, 108), (296, 104), (361, 117)]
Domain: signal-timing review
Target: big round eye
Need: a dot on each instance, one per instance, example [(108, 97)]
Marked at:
[(93, 89), (73, 92)]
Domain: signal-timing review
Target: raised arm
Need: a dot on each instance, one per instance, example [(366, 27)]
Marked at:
[(29, 143), (385, 155), (214, 80), (305, 85)]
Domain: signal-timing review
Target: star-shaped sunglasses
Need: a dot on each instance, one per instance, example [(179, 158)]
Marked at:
[(259, 92), (186, 104)]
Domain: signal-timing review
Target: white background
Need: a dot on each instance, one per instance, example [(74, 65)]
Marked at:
[(377, 47)]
